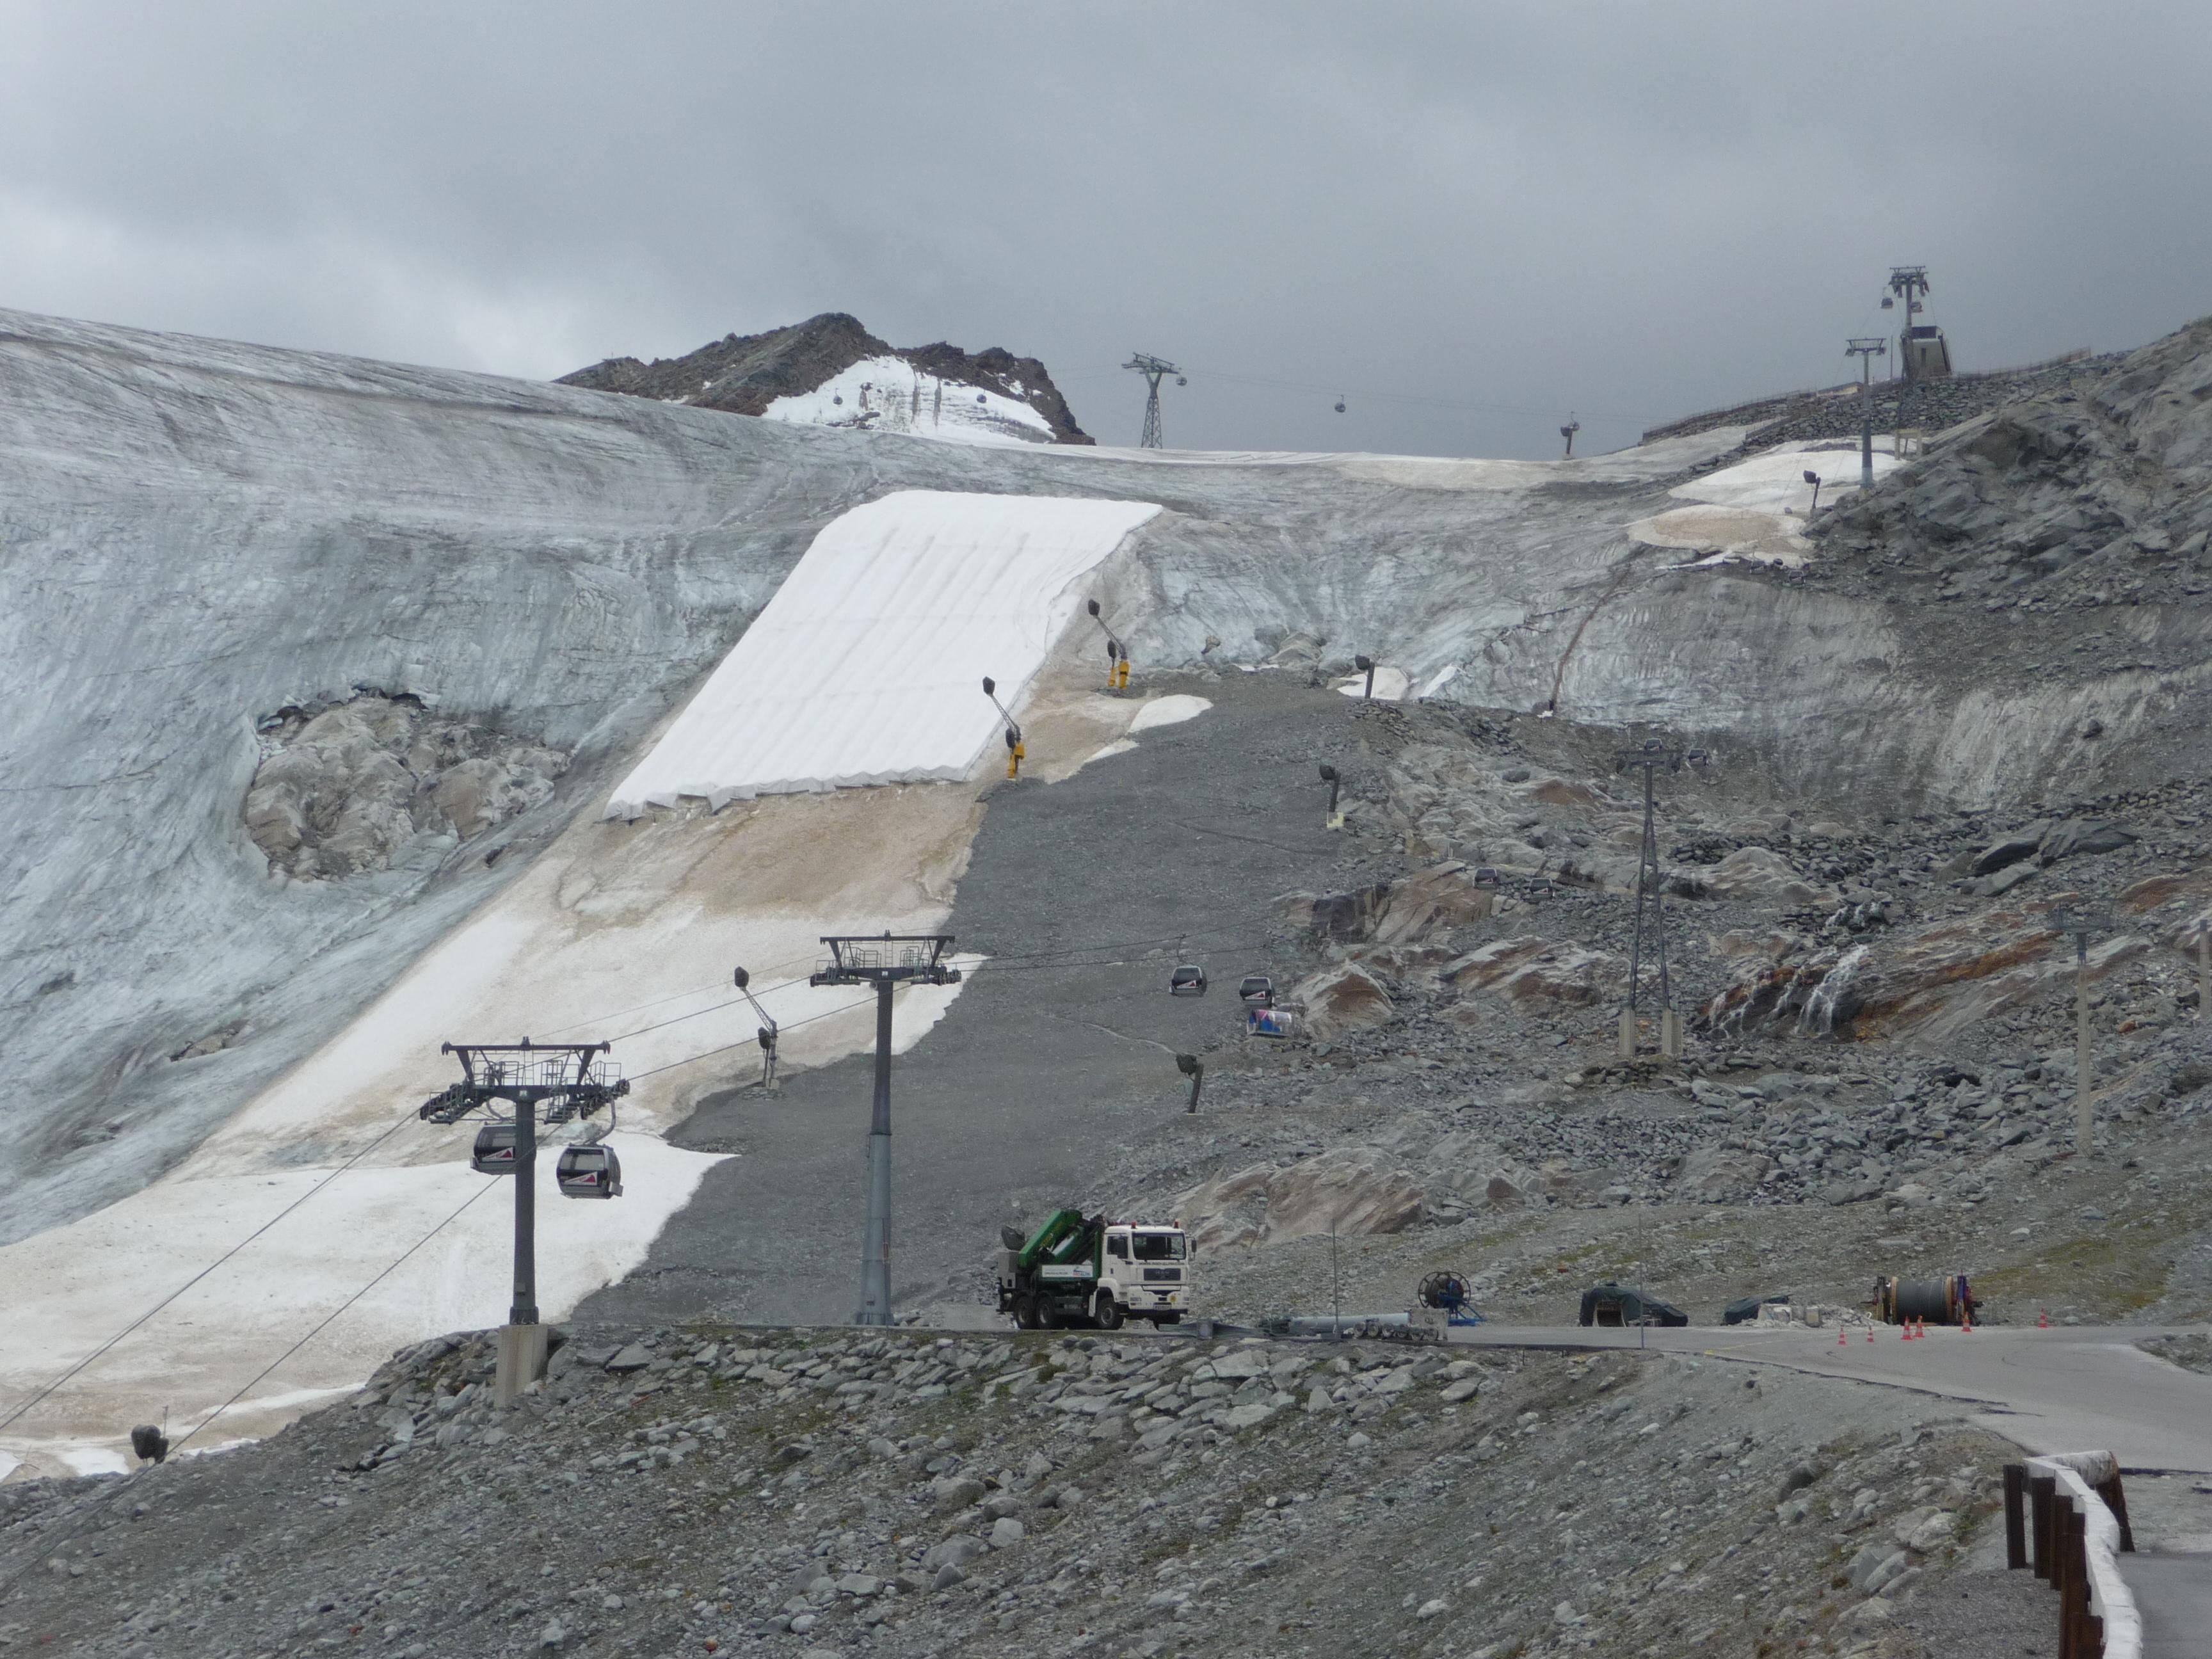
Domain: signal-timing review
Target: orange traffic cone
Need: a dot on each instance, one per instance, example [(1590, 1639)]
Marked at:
[(1869, 1333), (2042, 1320), (1919, 1328), (1966, 1322), (1905, 1331), (1841, 1341)]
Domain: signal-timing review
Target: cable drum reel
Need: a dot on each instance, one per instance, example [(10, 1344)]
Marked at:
[(1947, 1301), (1449, 1294)]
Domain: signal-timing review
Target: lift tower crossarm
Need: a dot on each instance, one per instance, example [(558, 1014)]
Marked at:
[(885, 961)]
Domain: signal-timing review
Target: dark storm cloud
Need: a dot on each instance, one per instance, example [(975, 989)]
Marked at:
[(1628, 211)]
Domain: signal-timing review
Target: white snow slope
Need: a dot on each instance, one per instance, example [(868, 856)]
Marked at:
[(889, 394), (866, 667)]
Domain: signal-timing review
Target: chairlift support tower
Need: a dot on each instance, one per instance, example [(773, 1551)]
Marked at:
[(885, 961), (1649, 759), (1866, 350), (2081, 924), (1153, 369), (566, 1080)]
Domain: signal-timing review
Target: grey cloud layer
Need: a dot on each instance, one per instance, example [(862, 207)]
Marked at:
[(1628, 211)]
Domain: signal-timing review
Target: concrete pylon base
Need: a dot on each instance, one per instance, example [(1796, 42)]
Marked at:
[(521, 1361), (1670, 1035), (1625, 1046)]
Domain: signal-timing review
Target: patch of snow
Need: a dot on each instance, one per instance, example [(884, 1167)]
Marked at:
[(1774, 481), (865, 667), (77, 1286), (1119, 746), (1391, 685), (1169, 711), (889, 394), (1726, 535), (1443, 678)]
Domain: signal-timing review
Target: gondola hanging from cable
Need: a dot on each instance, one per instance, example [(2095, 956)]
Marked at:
[(1339, 402), (493, 1152), (1188, 980), (589, 1171)]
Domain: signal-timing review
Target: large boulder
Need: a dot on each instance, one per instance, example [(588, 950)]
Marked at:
[(2080, 837), (1532, 970), (1353, 1190), (1761, 874), (1345, 997), (1718, 1176), (1441, 897)]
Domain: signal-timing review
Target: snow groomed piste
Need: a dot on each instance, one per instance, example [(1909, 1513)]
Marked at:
[(866, 668)]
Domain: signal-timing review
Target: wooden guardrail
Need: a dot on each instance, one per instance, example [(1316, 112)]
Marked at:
[(2067, 1516)]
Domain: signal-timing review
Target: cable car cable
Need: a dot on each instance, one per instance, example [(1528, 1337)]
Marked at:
[(451, 1217), (80, 1365)]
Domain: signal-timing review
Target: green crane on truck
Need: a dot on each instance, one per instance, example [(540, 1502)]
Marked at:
[(1085, 1270)]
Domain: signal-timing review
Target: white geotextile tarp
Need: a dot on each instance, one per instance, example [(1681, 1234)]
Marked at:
[(867, 665)]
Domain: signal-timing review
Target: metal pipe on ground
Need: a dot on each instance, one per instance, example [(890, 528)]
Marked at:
[(1344, 1325)]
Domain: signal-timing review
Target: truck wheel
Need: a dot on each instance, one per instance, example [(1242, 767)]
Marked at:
[(1108, 1314), (1026, 1313)]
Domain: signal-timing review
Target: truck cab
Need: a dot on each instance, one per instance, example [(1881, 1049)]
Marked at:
[(1147, 1271), (1080, 1270)]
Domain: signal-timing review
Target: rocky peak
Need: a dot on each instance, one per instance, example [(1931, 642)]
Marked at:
[(751, 374)]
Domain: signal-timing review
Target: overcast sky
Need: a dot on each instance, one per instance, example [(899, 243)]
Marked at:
[(1470, 219)]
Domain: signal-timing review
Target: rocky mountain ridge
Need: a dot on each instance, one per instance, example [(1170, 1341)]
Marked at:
[(746, 373)]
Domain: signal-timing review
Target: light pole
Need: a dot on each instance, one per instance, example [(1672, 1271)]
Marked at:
[(1192, 1067), (1015, 750), (766, 1032), (1866, 350)]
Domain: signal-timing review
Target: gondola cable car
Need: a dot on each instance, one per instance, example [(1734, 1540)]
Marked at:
[(1188, 980), (589, 1171), (493, 1152)]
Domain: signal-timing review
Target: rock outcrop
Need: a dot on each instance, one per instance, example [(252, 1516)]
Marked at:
[(356, 787), (745, 373)]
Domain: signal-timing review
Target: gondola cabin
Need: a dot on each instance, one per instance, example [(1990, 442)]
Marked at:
[(494, 1152), (1188, 980), (1257, 987), (589, 1172)]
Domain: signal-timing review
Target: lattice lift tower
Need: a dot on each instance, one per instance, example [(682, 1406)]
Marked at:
[(1650, 914), (1153, 369)]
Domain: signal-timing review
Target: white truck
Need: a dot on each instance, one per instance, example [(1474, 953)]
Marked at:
[(1085, 1270)]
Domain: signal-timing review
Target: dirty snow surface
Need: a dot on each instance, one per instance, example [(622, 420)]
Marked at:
[(866, 667), (889, 394)]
